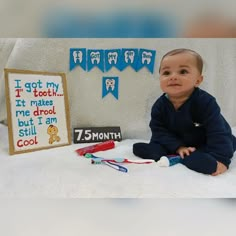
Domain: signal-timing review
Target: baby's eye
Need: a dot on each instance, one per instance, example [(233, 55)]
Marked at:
[(165, 72), (183, 71)]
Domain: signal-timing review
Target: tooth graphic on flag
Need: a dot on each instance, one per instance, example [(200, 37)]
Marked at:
[(78, 58), (146, 59), (112, 59), (110, 85), (78, 55), (129, 57), (95, 59)]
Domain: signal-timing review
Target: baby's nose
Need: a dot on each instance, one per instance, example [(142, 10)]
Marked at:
[(173, 77)]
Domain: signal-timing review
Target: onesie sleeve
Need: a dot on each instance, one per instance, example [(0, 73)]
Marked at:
[(219, 141), (160, 132)]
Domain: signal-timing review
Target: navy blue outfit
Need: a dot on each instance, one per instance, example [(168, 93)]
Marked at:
[(196, 123)]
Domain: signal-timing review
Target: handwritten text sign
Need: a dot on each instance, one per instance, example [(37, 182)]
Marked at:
[(37, 109)]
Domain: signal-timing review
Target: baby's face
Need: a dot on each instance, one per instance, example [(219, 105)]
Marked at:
[(179, 75)]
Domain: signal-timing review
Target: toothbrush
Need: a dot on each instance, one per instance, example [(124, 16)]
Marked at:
[(122, 160), (112, 165), (98, 160), (116, 166)]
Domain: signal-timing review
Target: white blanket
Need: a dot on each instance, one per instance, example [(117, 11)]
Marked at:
[(61, 173)]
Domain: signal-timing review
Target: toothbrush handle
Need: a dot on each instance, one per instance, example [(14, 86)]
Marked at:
[(117, 167)]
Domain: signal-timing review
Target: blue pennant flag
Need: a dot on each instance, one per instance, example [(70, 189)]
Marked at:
[(113, 59), (78, 58), (146, 59), (130, 57), (110, 85), (95, 59)]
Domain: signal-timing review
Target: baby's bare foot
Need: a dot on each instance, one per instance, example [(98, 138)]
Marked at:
[(221, 168)]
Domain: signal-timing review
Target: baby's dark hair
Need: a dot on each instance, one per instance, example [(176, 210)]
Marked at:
[(185, 50)]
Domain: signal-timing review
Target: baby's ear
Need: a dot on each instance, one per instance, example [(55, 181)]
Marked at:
[(199, 81)]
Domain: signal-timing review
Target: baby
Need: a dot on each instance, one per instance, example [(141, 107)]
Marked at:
[(187, 120)]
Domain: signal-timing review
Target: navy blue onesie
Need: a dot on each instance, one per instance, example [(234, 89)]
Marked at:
[(197, 123)]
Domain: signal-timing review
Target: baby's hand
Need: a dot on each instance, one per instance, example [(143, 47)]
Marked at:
[(182, 151)]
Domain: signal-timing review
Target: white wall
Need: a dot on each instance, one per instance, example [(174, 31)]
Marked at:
[(137, 90)]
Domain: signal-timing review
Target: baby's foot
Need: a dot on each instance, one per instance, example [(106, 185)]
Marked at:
[(221, 168)]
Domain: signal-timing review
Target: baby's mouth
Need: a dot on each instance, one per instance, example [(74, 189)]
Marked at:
[(174, 85)]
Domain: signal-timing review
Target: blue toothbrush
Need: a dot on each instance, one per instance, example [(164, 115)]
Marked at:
[(108, 163)]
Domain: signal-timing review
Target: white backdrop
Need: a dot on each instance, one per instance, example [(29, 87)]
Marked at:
[(137, 90)]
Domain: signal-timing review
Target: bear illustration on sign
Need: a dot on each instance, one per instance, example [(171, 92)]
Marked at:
[(53, 131)]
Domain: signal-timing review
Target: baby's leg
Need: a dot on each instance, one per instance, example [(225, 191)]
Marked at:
[(201, 162), (149, 151)]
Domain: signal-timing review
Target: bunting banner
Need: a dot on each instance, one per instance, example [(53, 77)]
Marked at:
[(95, 58), (78, 58), (129, 58), (146, 59), (110, 85), (113, 59), (118, 58)]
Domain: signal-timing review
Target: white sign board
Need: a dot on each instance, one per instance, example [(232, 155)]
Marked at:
[(37, 110)]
